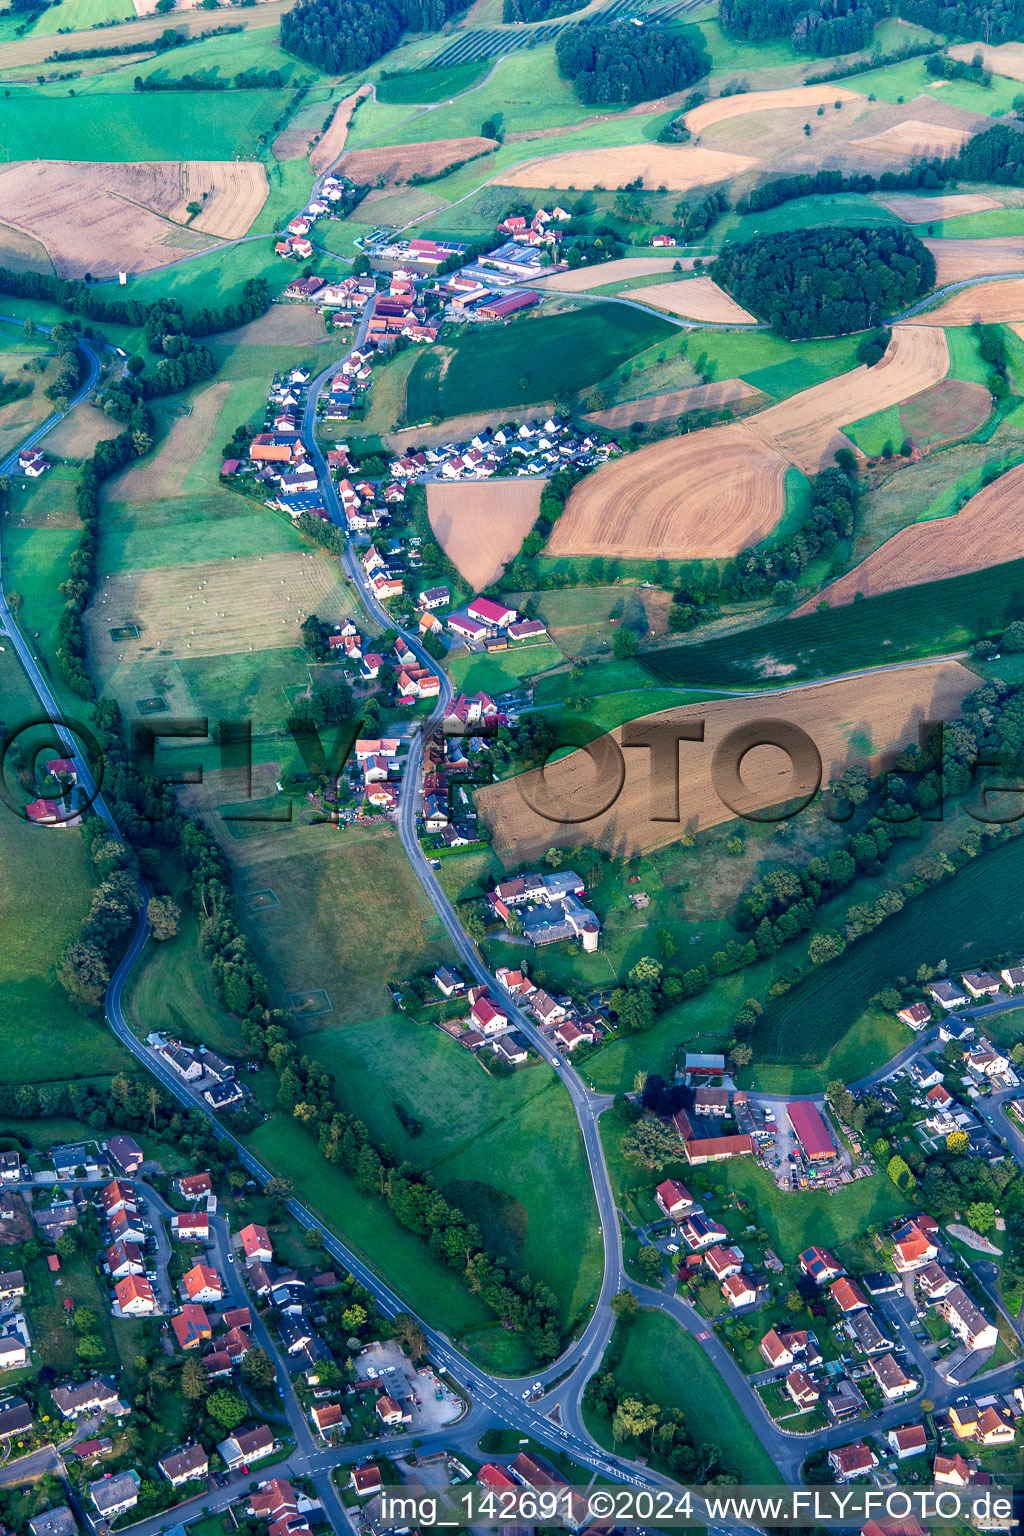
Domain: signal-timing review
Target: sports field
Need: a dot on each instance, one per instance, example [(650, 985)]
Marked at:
[(532, 359)]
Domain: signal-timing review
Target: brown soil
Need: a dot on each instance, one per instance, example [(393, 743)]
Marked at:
[(481, 526), (397, 162), (666, 407), (676, 166), (695, 298)]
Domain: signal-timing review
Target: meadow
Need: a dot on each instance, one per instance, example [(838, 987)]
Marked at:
[(532, 359), (931, 619), (503, 673), (423, 85), (902, 82), (195, 125), (508, 1151)]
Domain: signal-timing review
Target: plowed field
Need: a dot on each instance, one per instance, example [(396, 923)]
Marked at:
[(480, 527), (696, 298)]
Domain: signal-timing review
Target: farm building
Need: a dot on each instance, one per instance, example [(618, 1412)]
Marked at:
[(811, 1132)]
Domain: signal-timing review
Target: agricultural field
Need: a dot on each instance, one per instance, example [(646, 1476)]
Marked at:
[(956, 260), (606, 272), (995, 303), (197, 125), (399, 163), (532, 360), (698, 298), (726, 107), (677, 167), (480, 527), (850, 720), (673, 403)]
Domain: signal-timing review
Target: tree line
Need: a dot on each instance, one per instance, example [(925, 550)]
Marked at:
[(845, 26), (827, 281), (619, 62), (162, 317), (169, 38), (341, 35), (538, 10)]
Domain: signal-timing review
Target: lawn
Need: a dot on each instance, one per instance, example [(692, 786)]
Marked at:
[(506, 1150), (661, 1360), (177, 530), (351, 914), (502, 673), (933, 618), (216, 277), (532, 359), (194, 125)]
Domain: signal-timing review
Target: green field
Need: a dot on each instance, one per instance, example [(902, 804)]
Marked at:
[(976, 226), (172, 989), (780, 368), (76, 15), (664, 1362), (872, 1039), (801, 213), (934, 618), (421, 85), (177, 530), (508, 1151), (541, 358), (195, 125), (902, 82), (503, 673), (961, 921)]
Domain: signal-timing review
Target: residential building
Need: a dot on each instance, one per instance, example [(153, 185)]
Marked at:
[(256, 1242), (366, 1481), (723, 1261), (967, 1321), (980, 983), (328, 1419), (912, 1249), (892, 1379), (203, 1284), (246, 1446), (135, 1296), (191, 1226), (847, 1296), (951, 1471), (909, 1440), (866, 1334), (54, 1522), (123, 1259), (819, 1265), (802, 1390), (933, 1281), (673, 1198), (194, 1186), (741, 1291), (915, 1016), (126, 1154), (115, 1495), (91, 1397), (850, 1461), (844, 1403), (191, 1326), (947, 995), (185, 1466)]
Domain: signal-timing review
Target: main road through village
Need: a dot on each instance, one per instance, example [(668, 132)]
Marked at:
[(555, 1419)]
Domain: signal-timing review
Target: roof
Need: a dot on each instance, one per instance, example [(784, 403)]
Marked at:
[(810, 1129), (853, 1458), (366, 1478), (846, 1295), (201, 1276), (191, 1325), (255, 1238), (133, 1288), (192, 1459), (909, 1437)]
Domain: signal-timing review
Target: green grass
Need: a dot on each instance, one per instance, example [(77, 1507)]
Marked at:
[(421, 85), (909, 79), (871, 433), (76, 15), (937, 617), (217, 277), (257, 686), (199, 125), (780, 368), (502, 673), (964, 359), (975, 226), (172, 989), (530, 360), (870, 1041), (507, 1150), (801, 213), (662, 1361), (178, 530)]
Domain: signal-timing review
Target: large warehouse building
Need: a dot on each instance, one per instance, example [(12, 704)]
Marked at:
[(811, 1132)]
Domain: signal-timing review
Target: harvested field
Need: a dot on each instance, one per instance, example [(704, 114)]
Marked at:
[(23, 51), (765, 101), (232, 193), (77, 434), (611, 272), (948, 411), (987, 531), (100, 217), (850, 720), (1000, 303), (480, 527), (959, 259), (283, 325), (806, 427), (696, 298), (210, 608), (666, 407), (324, 153), (162, 474), (1005, 59), (397, 162), (927, 210), (915, 138), (676, 167), (704, 496)]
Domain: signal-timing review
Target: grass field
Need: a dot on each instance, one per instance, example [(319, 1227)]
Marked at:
[(977, 226), (421, 85), (871, 1040), (193, 125), (939, 617), (172, 989), (780, 368), (501, 674), (508, 1151), (909, 79), (76, 15), (664, 1362), (533, 359)]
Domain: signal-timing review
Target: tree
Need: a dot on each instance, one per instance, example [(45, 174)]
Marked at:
[(227, 1407), (90, 1348), (280, 1190), (85, 1320), (409, 1331), (639, 1079), (164, 918), (258, 1370), (900, 1173), (957, 1142), (83, 973), (195, 1383), (651, 1144), (825, 946), (981, 1215), (625, 1306), (742, 1055), (313, 1238), (624, 644), (646, 972), (649, 1260)]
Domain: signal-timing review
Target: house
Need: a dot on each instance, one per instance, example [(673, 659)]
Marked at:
[(391, 1412), (44, 812), (740, 1291), (495, 1478), (866, 1334), (511, 1048), (1013, 977), (811, 1131), (915, 1016), (488, 1016), (723, 1261), (952, 1471), (947, 995), (240, 1449), (135, 1296), (185, 1466), (433, 597), (994, 1426), (934, 1282), (54, 1522), (494, 615), (13, 1353), (194, 1186), (12, 1285), (819, 1265), (191, 1326), (980, 983), (126, 1227), (847, 1296), (846, 1402), (924, 1074), (711, 1101), (967, 1321), (125, 1153), (663, 240), (911, 1248), (673, 1198), (91, 1397), (365, 1481), (699, 1231), (185, 1062), (203, 1284), (117, 1197), (116, 1493), (802, 1389), (123, 1259), (892, 1379), (956, 1029), (939, 1097), (910, 1440), (256, 1242), (327, 1418), (448, 982), (849, 1461), (191, 1226), (776, 1349)]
